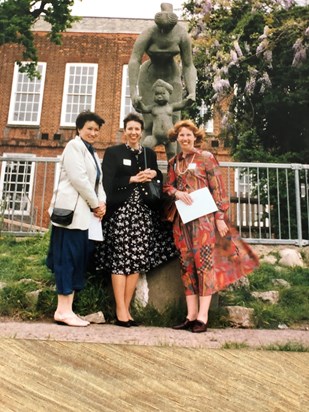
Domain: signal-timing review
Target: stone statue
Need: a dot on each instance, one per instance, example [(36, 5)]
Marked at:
[(162, 42), (162, 111)]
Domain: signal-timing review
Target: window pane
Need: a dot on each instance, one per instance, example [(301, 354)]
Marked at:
[(79, 89), (16, 186), (27, 92)]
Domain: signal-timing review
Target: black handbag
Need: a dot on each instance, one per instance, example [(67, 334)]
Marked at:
[(153, 189), (63, 217)]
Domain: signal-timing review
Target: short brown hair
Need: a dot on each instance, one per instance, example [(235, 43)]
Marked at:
[(135, 117), (199, 133)]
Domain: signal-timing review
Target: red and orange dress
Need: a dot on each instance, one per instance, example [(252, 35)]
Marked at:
[(209, 262)]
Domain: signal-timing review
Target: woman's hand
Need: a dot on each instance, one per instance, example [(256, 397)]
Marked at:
[(150, 173), (184, 197), (222, 227), (144, 176), (99, 211)]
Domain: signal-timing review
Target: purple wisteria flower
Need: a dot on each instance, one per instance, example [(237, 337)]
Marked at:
[(265, 82), (268, 57), (206, 6), (237, 48), (300, 52), (286, 4), (221, 85)]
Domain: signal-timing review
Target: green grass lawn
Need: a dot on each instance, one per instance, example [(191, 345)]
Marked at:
[(23, 275)]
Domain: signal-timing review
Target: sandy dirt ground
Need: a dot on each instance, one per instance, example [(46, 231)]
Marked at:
[(48, 367)]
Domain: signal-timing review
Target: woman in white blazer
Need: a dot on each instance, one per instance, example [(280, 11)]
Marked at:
[(80, 188)]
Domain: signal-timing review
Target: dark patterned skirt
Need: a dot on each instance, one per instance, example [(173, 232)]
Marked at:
[(135, 239), (67, 258)]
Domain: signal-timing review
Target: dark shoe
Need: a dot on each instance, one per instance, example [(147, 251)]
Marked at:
[(125, 324), (187, 324), (199, 327), (133, 322)]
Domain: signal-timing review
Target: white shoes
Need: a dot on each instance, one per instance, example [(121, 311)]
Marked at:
[(70, 319)]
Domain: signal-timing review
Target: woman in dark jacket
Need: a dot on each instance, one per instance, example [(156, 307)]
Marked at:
[(135, 238)]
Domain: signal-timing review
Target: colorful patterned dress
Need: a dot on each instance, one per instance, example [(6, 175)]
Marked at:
[(208, 262)]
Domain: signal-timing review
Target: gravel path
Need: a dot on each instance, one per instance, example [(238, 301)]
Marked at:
[(152, 336)]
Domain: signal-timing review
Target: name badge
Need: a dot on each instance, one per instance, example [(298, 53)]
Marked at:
[(192, 166), (127, 162)]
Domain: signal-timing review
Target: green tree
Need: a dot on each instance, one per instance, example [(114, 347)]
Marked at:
[(256, 54), (17, 18)]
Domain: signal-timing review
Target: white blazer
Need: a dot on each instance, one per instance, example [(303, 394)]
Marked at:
[(77, 183)]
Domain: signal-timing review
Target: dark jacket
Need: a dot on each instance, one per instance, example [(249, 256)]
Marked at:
[(119, 164)]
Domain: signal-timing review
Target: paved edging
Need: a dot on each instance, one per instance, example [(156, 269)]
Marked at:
[(151, 336)]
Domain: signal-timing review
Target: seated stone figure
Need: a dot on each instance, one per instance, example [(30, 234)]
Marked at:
[(162, 43), (162, 111)]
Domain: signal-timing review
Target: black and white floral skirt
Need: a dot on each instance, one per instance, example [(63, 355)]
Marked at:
[(135, 239)]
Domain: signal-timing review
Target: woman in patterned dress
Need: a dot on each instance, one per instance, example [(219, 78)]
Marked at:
[(135, 239), (212, 254)]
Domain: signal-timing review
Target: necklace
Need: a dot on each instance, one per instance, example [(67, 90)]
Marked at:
[(182, 173), (135, 151)]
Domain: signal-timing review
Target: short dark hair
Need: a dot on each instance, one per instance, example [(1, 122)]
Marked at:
[(133, 117), (88, 116)]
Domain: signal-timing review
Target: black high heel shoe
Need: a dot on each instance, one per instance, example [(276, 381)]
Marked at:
[(125, 324), (133, 322)]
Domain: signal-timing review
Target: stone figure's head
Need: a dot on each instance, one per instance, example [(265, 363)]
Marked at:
[(161, 91), (166, 19)]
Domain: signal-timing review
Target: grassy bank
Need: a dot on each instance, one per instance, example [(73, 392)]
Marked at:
[(27, 291)]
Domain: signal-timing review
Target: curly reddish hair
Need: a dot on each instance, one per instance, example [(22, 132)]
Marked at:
[(199, 133)]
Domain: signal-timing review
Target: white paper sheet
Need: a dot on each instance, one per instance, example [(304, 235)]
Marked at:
[(203, 204), (95, 229)]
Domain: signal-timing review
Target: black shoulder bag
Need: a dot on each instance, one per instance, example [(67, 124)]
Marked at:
[(153, 189), (61, 216)]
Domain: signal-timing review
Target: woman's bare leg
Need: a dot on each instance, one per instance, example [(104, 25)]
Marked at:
[(192, 306), (204, 302), (119, 288), (129, 291)]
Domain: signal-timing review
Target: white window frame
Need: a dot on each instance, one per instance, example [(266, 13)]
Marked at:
[(125, 108), (67, 94), (21, 96), (209, 126), (243, 186), (7, 170)]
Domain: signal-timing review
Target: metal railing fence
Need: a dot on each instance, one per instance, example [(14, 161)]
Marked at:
[(269, 202)]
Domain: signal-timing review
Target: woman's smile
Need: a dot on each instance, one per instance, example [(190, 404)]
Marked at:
[(133, 134), (186, 139)]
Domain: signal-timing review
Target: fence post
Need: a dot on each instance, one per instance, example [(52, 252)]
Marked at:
[(298, 167)]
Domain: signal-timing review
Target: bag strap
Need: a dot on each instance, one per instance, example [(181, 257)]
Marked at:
[(58, 186), (145, 157)]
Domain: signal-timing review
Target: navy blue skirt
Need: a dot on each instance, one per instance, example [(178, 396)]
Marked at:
[(67, 258)]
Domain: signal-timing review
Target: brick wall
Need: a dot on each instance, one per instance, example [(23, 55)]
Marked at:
[(109, 51)]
